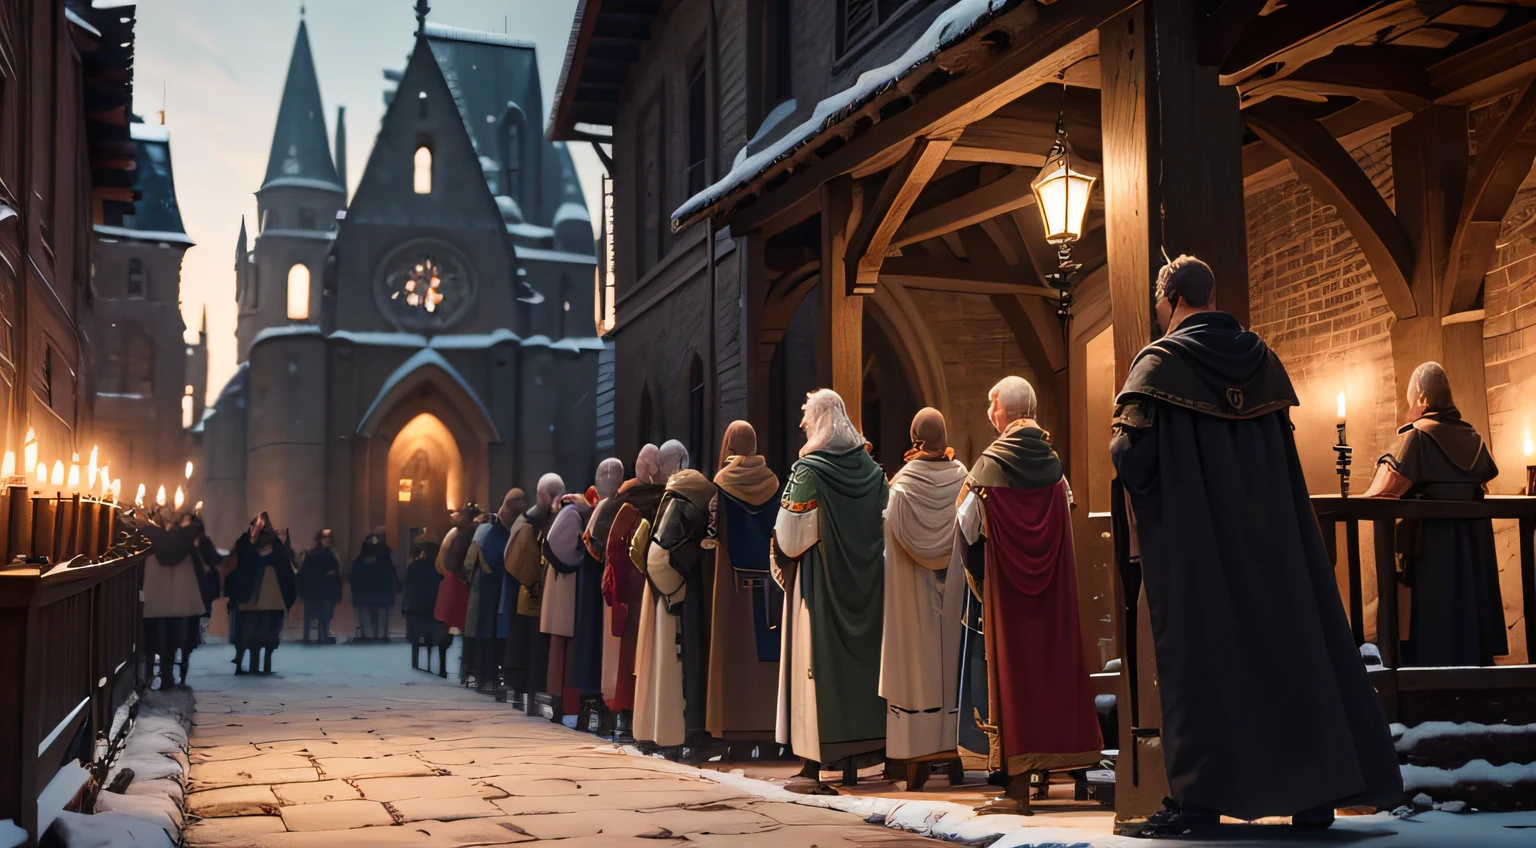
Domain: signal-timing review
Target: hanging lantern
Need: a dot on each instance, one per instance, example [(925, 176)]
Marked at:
[(1061, 194), (405, 491)]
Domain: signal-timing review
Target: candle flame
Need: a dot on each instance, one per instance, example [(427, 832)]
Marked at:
[(138, 498), (189, 469), (117, 490), (1341, 405), (29, 450), (198, 507), (1530, 447), (181, 497), (58, 473), (8, 466), (74, 472), (42, 473), (91, 471), (160, 496)]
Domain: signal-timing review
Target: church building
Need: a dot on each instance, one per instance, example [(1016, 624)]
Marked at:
[(430, 342)]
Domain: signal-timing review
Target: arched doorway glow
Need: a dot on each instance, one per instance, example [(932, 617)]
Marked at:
[(425, 478)]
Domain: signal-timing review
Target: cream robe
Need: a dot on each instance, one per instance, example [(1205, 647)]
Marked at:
[(658, 665), (172, 591), (796, 724), (919, 660)]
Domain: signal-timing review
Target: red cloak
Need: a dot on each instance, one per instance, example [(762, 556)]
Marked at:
[(623, 586)]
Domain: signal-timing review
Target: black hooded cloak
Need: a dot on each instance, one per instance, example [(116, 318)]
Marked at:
[(1267, 709)]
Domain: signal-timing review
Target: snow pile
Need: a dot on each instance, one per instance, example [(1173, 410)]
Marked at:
[(953, 25), (1477, 771), (1409, 737), (149, 813)]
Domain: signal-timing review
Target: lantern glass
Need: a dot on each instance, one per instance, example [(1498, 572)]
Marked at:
[(1061, 193), (405, 490)]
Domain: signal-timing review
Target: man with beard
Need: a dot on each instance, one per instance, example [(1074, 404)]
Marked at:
[(320, 587), (623, 584), (746, 606), (374, 587), (1266, 707), (261, 590), (829, 556), (1016, 523)]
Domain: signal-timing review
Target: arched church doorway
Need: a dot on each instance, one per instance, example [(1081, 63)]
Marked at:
[(425, 475)]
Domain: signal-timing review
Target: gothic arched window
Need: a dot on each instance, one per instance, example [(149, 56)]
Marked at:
[(298, 292), (513, 128), (423, 170)]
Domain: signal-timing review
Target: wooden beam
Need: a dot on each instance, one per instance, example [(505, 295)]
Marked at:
[(870, 241), (1129, 206), (1491, 68), (840, 321), (1300, 32), (1353, 125), (1328, 169), (928, 272), (995, 198), (1504, 160), (1049, 39), (1368, 73)]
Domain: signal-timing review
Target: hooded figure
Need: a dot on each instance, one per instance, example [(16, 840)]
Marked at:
[(484, 565), (746, 605), (1026, 684), (920, 648), (829, 556), (422, 582), (374, 587), (453, 593), (1456, 616), (670, 684), (174, 596), (623, 584), (260, 589), (587, 641), (1266, 707), (320, 587), (526, 655), (672, 458)]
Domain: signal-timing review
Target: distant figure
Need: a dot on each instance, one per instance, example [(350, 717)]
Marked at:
[(261, 590), (1450, 564), (422, 629), (484, 566), (746, 606), (920, 645), (374, 588), (1027, 691), (1266, 707), (829, 556), (588, 642), (320, 587), (453, 594), (624, 585), (564, 558), (176, 580)]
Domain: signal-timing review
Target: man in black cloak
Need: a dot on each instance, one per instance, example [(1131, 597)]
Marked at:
[(1450, 564), (320, 587), (1267, 710), (374, 587)]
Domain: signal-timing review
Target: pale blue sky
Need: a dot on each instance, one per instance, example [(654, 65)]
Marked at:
[(218, 68)]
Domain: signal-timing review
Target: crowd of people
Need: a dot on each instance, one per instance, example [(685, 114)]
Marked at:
[(854, 619)]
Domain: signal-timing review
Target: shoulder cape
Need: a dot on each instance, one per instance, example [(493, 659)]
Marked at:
[(1211, 365)]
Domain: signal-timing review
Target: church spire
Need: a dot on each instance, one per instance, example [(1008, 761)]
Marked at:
[(421, 16), (301, 152)]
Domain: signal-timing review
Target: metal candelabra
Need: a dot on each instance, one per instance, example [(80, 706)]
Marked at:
[(1344, 451)]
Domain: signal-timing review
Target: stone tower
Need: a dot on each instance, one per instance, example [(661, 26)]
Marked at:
[(279, 283)]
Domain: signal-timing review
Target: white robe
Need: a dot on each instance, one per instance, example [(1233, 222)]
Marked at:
[(920, 648), (658, 667), (797, 718)]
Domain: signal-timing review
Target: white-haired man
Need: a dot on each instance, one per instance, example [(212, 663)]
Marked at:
[(1024, 678), (623, 586), (830, 558), (1266, 707)]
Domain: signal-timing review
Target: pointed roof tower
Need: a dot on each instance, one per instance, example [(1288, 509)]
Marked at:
[(301, 151)]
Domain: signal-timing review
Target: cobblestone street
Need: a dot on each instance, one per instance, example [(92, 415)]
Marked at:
[(346, 745)]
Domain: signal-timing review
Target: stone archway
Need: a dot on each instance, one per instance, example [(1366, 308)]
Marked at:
[(427, 469)]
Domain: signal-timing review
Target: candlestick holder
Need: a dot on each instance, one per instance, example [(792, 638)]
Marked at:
[(1530, 480), (1344, 452)]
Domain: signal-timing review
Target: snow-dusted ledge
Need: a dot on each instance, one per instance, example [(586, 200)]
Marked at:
[(150, 812)]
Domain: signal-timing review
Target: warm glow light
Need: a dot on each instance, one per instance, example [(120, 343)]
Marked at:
[(160, 496), (58, 473), (198, 507), (1341, 406), (423, 170), (29, 451), (117, 490), (138, 497), (181, 497), (90, 471), (42, 473), (106, 485), (298, 293), (74, 472), (405, 491), (8, 465), (1530, 448), (189, 469)]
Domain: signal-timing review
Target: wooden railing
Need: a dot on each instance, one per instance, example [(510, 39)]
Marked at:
[(69, 652), (1383, 513)]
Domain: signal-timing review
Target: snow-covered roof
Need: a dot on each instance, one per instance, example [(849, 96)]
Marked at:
[(540, 254), (317, 235), (458, 341), (569, 211), (140, 131), (298, 182), (236, 383), (478, 341), (144, 235), (73, 17), (500, 39), (574, 343), (951, 26), (285, 331), (530, 231)]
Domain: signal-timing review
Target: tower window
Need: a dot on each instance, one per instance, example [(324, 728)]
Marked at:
[(512, 124), (423, 170), (136, 279), (186, 408), (298, 293)]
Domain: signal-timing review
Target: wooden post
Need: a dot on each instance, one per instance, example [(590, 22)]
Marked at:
[(1128, 203), (840, 328), (1386, 595)]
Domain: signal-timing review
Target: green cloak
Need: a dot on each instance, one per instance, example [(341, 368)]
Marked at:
[(843, 583)]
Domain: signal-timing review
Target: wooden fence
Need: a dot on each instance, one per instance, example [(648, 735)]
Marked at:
[(69, 642)]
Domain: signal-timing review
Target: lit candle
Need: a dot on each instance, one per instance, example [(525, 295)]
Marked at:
[(1530, 469), (29, 451), (1341, 406), (117, 490), (42, 473), (106, 478), (74, 472), (138, 498), (58, 472), (8, 465), (181, 497), (189, 469), (160, 496), (198, 507), (90, 471)]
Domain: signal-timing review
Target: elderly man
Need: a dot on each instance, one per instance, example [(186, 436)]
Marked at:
[(1266, 707), (623, 585), (1449, 563), (830, 558), (1027, 680)]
